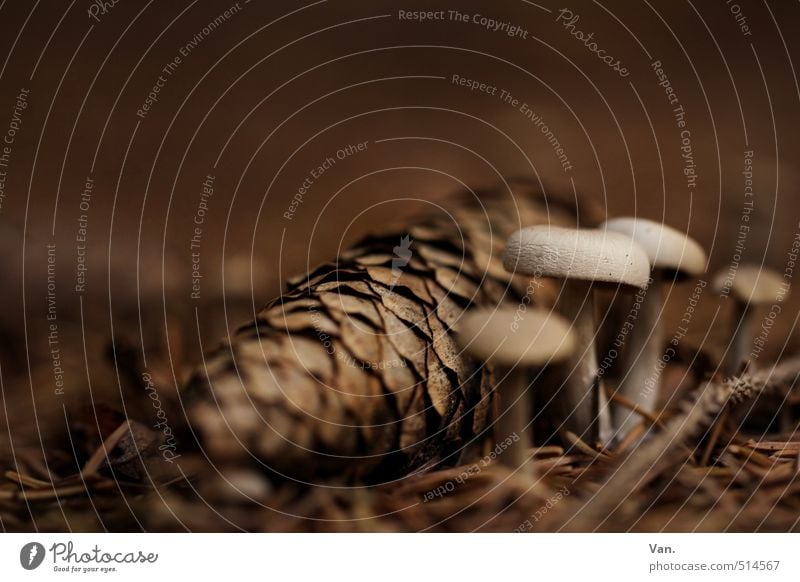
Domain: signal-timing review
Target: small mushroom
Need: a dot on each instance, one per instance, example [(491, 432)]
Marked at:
[(514, 343), (750, 286), (673, 256), (582, 258)]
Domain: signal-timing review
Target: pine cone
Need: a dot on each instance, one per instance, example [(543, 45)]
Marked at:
[(353, 371)]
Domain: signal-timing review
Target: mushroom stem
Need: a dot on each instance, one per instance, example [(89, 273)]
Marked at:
[(515, 414), (741, 342), (645, 345), (585, 409)]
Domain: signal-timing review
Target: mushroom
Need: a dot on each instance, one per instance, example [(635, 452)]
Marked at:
[(750, 286), (514, 343), (673, 256), (582, 258)]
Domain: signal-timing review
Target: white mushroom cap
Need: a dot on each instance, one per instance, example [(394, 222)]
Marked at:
[(506, 337), (752, 284), (566, 253), (667, 248)]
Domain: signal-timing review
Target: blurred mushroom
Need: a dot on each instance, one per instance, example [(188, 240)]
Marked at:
[(582, 258), (673, 256), (751, 286), (514, 343)]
